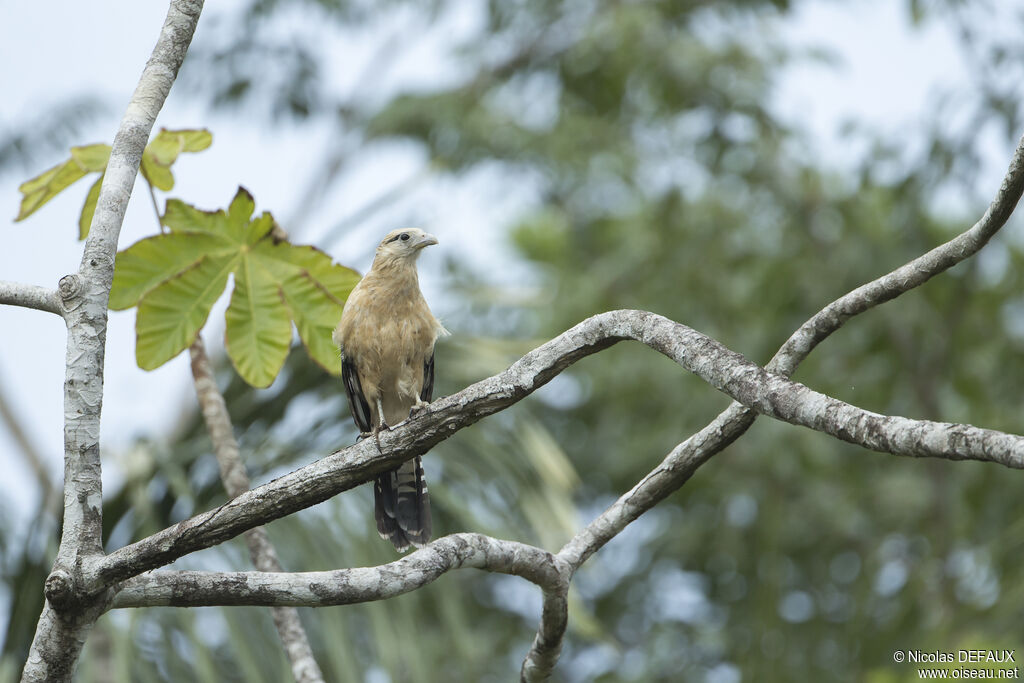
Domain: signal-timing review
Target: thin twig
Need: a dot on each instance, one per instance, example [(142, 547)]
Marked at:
[(156, 208), (236, 481)]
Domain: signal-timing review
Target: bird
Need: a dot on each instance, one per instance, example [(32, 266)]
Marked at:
[(386, 337)]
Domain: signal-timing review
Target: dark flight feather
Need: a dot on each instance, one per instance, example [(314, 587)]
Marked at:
[(356, 400)]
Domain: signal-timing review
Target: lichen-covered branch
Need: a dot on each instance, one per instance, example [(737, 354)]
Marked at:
[(755, 389), (680, 464), (540, 661), (365, 584), (726, 370), (236, 481), (908, 276), (341, 586), (685, 458), (71, 611), (30, 296)]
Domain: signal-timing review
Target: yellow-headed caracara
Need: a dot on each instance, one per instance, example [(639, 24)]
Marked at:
[(386, 336)]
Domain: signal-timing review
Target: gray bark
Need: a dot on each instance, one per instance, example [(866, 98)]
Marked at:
[(30, 296), (70, 613), (342, 586), (871, 430), (751, 385)]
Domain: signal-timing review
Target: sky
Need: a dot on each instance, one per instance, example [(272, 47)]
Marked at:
[(886, 75)]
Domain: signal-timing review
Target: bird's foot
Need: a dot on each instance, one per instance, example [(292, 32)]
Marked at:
[(420, 406), (376, 433)]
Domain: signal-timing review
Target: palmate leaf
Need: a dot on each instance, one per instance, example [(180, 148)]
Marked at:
[(315, 291), (50, 183), (152, 261), (89, 208), (161, 152), (259, 329), (171, 314), (175, 278)]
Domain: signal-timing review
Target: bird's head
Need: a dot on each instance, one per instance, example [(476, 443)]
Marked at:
[(405, 244)]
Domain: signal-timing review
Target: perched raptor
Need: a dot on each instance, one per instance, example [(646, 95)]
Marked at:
[(386, 336)]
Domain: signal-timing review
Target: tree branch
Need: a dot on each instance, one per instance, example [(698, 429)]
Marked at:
[(341, 586), (680, 464), (540, 661), (30, 296), (236, 481), (70, 613), (752, 386), (684, 459), (724, 369), (906, 277), (366, 584)]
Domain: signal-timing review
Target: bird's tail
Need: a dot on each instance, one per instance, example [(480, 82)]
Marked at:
[(402, 506)]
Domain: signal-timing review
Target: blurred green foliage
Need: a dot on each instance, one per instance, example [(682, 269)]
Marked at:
[(667, 183)]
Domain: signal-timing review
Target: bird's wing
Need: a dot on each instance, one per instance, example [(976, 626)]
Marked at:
[(356, 399), (427, 392)]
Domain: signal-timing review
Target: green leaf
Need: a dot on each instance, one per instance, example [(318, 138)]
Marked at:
[(181, 217), (91, 158), (259, 332), (157, 175), (163, 150), (171, 315), (52, 182), (195, 140), (316, 316), (149, 262), (315, 291), (337, 280), (239, 213), (89, 208), (166, 145), (160, 153), (275, 283)]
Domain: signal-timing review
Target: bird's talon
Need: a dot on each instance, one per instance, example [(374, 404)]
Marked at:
[(376, 433)]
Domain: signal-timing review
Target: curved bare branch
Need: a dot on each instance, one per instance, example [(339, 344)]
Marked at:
[(342, 586), (726, 370), (540, 661), (677, 467), (366, 584), (680, 464), (756, 388), (908, 276), (235, 477)]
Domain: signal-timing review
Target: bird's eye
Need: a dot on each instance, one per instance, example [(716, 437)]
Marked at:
[(405, 237)]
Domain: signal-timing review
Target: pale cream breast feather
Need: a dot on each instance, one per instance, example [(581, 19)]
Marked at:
[(388, 331)]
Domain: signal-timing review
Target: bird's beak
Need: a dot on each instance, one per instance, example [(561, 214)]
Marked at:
[(426, 240)]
